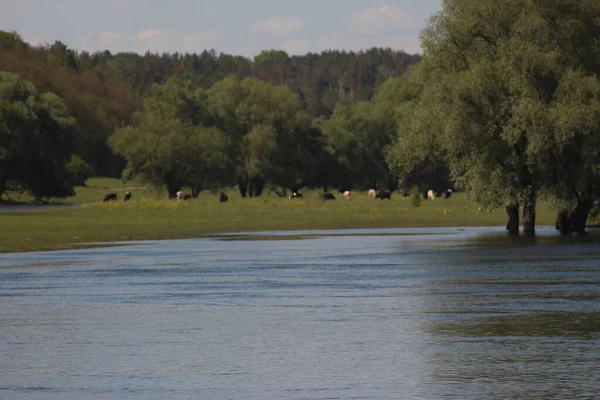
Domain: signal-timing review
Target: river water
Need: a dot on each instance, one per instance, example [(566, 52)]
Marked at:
[(371, 314)]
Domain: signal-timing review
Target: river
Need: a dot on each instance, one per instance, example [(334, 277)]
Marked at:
[(367, 314)]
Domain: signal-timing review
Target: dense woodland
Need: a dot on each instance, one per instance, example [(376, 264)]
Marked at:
[(504, 104)]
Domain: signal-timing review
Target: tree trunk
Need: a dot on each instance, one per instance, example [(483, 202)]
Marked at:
[(529, 214), (563, 222), (243, 187), (513, 219), (257, 184), (196, 189), (580, 215), (173, 189)]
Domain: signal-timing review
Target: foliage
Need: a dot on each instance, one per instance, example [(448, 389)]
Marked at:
[(79, 170), (416, 196), (493, 102), (35, 138), (98, 104)]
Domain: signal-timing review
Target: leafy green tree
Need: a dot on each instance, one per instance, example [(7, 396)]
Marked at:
[(170, 146), (177, 99), (35, 137), (269, 135), (270, 58), (491, 74), (12, 41), (79, 170), (360, 136)]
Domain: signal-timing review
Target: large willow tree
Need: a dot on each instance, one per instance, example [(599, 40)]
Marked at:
[(500, 82)]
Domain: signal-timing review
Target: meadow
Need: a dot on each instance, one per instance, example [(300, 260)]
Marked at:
[(151, 215)]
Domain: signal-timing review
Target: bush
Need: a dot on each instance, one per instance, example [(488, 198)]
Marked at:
[(415, 196), (78, 170)]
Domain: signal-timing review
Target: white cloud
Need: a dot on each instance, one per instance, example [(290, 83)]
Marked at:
[(296, 47), (152, 34), (111, 37), (35, 40), (382, 19), (277, 26)]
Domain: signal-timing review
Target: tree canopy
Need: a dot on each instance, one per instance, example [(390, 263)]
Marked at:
[(35, 137)]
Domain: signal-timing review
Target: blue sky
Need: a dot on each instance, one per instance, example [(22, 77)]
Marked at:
[(229, 26)]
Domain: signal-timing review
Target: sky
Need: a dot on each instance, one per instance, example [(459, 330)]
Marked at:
[(240, 27)]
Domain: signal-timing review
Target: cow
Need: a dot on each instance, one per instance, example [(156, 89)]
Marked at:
[(109, 197), (384, 194), (430, 195), (179, 195), (328, 196), (347, 195), (296, 195), (342, 190), (223, 198), (372, 194), (127, 196), (405, 193), (447, 194), (186, 196)]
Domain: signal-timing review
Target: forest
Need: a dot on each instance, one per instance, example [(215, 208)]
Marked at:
[(504, 104)]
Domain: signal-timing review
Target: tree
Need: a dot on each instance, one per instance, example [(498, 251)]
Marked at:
[(35, 137), (269, 134), (490, 74), (170, 145)]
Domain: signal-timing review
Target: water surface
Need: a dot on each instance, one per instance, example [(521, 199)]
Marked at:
[(369, 314)]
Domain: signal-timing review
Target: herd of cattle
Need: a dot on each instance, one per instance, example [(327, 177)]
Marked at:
[(378, 194), (373, 194)]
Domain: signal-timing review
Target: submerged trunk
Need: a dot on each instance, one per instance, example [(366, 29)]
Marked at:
[(529, 214), (513, 219), (574, 221), (580, 215), (563, 222)]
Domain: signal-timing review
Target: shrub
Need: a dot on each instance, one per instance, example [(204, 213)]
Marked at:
[(78, 170), (415, 196)]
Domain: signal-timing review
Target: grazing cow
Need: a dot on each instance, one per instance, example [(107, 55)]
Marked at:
[(296, 195), (127, 196), (430, 195), (384, 194), (347, 195), (110, 196), (447, 194), (328, 196), (223, 198), (372, 194), (179, 195), (186, 196)]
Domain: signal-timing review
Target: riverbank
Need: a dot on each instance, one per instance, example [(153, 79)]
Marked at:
[(147, 218)]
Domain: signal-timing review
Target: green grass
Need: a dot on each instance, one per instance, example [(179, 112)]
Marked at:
[(147, 216)]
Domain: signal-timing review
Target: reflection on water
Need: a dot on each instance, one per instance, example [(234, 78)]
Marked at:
[(377, 314)]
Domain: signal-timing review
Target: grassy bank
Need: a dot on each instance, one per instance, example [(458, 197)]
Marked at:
[(147, 216)]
